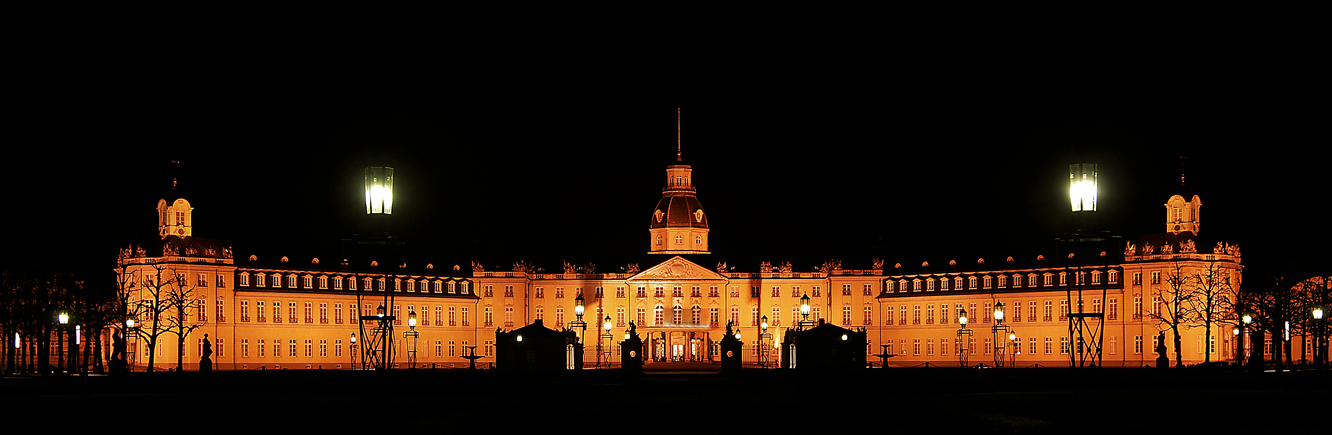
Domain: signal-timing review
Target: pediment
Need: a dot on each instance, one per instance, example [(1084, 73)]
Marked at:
[(677, 268)]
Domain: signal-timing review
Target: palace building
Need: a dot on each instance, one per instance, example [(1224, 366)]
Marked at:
[(1101, 302)]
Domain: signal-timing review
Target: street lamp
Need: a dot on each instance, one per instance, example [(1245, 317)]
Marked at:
[(804, 311), (1244, 334), (378, 190), (352, 348), (998, 331), (608, 337), (1320, 335), (411, 335), (764, 337), (962, 349), (1017, 348), (579, 323), (62, 320), (1082, 186)]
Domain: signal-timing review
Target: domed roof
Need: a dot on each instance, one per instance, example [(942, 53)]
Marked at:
[(677, 211)]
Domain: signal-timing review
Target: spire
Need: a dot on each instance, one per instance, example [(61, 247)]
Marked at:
[(1183, 165), (677, 135)]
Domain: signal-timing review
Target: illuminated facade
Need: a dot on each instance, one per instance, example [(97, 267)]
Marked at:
[(302, 314)]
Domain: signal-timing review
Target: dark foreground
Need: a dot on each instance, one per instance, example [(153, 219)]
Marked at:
[(771, 401)]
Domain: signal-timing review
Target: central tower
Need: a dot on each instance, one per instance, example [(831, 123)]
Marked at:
[(678, 225)]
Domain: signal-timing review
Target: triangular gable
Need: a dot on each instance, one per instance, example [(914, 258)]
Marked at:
[(677, 268)]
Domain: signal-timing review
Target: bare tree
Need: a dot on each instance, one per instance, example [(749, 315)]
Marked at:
[(1170, 306), (180, 298), (151, 304), (1211, 301)]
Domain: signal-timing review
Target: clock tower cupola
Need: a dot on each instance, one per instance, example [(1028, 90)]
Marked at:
[(678, 224)]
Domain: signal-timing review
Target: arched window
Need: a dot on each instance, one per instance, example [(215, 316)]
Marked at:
[(679, 239), (677, 314), (658, 315)]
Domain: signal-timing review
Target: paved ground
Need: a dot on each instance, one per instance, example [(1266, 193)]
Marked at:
[(680, 401)]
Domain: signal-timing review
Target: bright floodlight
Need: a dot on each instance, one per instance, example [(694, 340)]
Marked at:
[(962, 317), (1318, 314), (608, 324), (63, 318), (1082, 186), (378, 190), (1247, 319), (999, 312)]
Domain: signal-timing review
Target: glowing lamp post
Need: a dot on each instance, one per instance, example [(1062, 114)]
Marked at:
[(1082, 186), (764, 337), (999, 330), (1245, 320), (608, 337), (352, 349), (804, 311), (378, 190), (62, 321), (411, 336), (963, 335), (1320, 335)]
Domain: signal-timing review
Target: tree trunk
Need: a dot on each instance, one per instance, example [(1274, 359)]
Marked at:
[(1179, 359), (180, 352), (1207, 345)]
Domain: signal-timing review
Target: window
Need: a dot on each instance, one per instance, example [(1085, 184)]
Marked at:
[(696, 315), (888, 316), (488, 321), (846, 289), (1047, 314), (309, 313), (540, 292), (259, 310), (659, 315), (1156, 277), (337, 313), (291, 281), (323, 313), (818, 291), (466, 318), (943, 284), (1017, 312), (1049, 346), (221, 281), (846, 315), (337, 283), (292, 347), (453, 318), (902, 319), (203, 280), (245, 311), (244, 278), (1137, 344), (1063, 310), (915, 315), (985, 315), (929, 314), (1063, 345), (943, 314), (713, 317), (291, 311), (869, 315), (1137, 307), (1031, 313), (712, 291), (988, 281), (1114, 309), (260, 346), (323, 348)]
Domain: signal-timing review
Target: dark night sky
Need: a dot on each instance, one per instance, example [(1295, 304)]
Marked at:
[(531, 148)]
